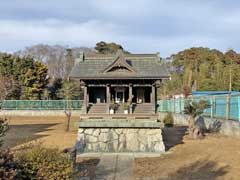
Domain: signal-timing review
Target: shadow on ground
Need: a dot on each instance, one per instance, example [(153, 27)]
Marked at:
[(173, 136), (87, 167), (19, 134), (199, 170)]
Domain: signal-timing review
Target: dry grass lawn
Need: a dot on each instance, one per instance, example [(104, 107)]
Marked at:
[(214, 158), (50, 131)]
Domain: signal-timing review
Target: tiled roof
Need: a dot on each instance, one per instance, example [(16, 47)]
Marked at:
[(145, 66)]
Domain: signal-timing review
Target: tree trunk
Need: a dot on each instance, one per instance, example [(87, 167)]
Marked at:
[(194, 130), (68, 115), (190, 78)]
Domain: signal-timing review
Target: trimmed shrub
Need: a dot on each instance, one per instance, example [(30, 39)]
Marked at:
[(3, 128), (43, 163), (168, 120), (7, 166)]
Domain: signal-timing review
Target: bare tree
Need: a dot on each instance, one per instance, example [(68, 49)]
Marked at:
[(54, 56), (7, 86), (66, 92), (68, 114)]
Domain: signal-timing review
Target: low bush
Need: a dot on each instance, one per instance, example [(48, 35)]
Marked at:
[(34, 162), (8, 168), (43, 163), (7, 165), (3, 128), (168, 120)]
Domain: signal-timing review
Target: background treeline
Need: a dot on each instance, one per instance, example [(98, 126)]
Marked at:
[(32, 78), (202, 69), (41, 71)]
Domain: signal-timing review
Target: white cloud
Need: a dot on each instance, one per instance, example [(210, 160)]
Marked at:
[(18, 34), (140, 25), (55, 31)]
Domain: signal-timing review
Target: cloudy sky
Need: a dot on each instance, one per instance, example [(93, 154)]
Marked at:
[(143, 26)]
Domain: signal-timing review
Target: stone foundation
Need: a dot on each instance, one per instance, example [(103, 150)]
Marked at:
[(120, 140)]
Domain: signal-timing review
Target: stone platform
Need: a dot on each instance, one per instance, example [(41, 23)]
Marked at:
[(119, 116), (120, 136)]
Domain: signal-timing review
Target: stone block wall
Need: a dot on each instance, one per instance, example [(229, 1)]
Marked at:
[(120, 140), (222, 126)]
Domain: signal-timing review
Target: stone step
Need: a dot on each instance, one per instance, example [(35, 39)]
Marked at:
[(120, 109), (142, 108), (97, 108)]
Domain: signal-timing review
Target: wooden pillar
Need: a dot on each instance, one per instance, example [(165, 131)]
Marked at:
[(228, 98), (85, 100), (153, 98), (130, 97), (108, 98)]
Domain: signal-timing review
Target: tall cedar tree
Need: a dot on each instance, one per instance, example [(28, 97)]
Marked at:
[(202, 69), (29, 76), (35, 81)]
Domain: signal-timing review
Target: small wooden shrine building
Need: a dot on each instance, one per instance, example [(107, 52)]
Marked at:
[(119, 83)]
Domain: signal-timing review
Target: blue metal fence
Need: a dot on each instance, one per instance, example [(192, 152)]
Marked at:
[(225, 107), (42, 104)]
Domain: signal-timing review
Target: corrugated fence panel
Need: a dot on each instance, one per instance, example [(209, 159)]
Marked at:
[(234, 107), (220, 107), (225, 107)]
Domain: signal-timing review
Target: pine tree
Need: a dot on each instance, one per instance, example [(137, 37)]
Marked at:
[(70, 90), (34, 81)]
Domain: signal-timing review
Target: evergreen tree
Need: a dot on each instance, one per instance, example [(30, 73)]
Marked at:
[(108, 48), (70, 90), (55, 88), (28, 77), (35, 81), (204, 69)]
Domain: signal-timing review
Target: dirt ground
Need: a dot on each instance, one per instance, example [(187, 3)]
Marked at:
[(50, 131), (215, 157)]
